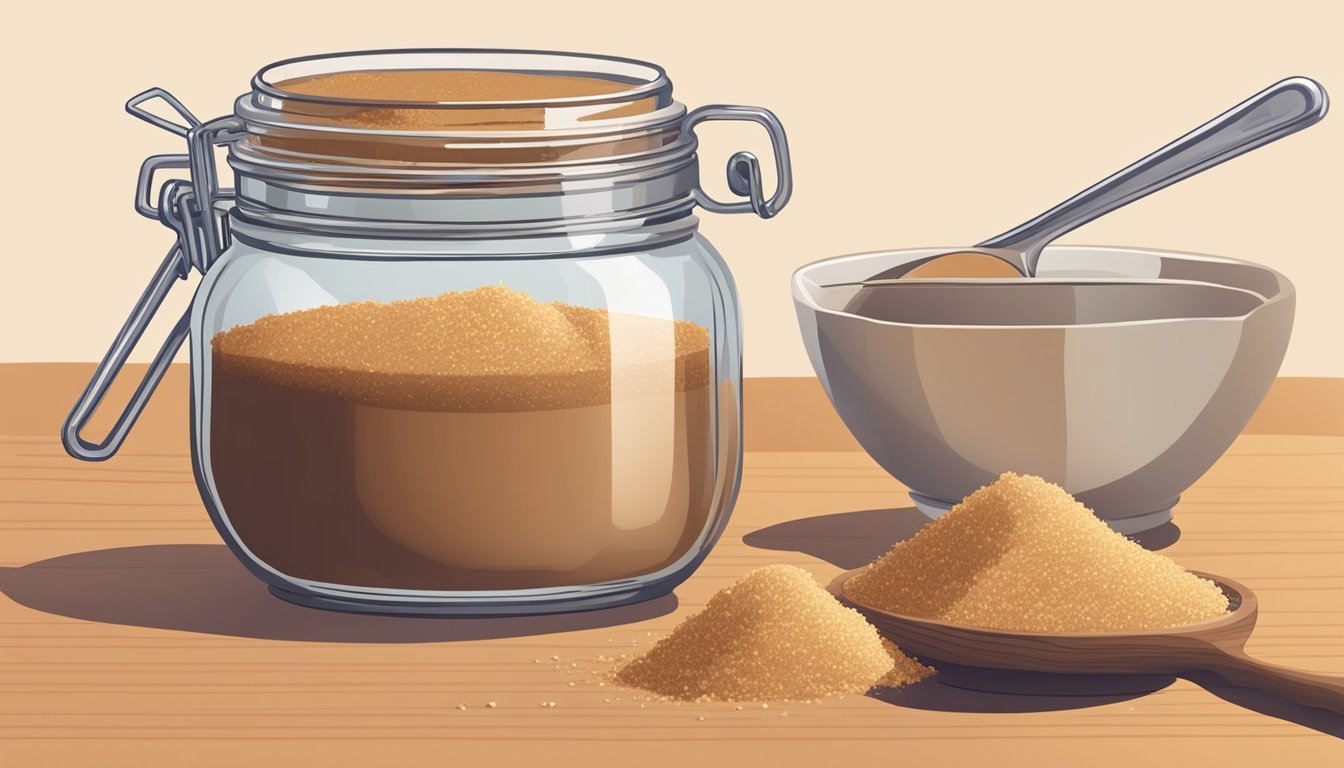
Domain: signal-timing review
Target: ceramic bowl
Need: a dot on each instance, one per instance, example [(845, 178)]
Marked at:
[(1121, 374)]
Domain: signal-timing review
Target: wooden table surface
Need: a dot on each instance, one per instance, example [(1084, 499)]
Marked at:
[(130, 636)]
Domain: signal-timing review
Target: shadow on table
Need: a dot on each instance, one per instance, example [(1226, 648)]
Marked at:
[(943, 693), (1268, 704), (1161, 537), (846, 539), (854, 539), (964, 689), (203, 588)]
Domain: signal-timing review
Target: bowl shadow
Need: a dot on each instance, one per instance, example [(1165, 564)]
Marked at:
[(203, 588), (845, 539), (1161, 537), (854, 539)]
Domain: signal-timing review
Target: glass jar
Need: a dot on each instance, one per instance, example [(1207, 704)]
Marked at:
[(458, 347)]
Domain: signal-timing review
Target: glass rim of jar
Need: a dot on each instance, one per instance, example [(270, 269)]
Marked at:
[(270, 108), (645, 78), (294, 134)]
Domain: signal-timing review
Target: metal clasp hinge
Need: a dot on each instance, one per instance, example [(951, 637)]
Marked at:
[(744, 170), (188, 208)]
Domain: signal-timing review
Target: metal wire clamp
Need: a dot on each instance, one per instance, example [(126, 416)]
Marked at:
[(188, 207)]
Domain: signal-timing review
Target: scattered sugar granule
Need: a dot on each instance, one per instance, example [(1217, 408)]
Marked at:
[(1023, 555)]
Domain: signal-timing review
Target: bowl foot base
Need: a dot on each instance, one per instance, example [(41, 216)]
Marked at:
[(936, 508)]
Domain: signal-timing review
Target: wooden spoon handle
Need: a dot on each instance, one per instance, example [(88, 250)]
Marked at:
[(1308, 689)]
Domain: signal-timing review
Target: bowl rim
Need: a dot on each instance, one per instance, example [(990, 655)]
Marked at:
[(802, 297)]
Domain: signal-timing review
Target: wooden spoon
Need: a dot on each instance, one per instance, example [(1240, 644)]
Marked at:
[(1211, 646)]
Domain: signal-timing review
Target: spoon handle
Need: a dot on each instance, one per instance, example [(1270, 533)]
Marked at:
[(1283, 108), (1307, 689)]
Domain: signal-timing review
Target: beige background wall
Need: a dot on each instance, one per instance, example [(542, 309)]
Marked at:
[(911, 124)]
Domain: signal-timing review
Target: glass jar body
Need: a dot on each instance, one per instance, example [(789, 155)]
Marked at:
[(457, 348), (497, 427)]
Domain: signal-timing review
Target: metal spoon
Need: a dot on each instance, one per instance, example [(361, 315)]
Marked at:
[(1210, 646), (1283, 108)]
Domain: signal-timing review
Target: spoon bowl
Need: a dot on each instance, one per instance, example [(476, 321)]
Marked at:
[(1214, 646)]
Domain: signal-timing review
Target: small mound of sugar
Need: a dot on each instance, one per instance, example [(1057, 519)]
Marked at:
[(1023, 555), (774, 635), (904, 670)]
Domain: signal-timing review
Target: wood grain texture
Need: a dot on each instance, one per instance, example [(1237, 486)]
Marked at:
[(130, 636)]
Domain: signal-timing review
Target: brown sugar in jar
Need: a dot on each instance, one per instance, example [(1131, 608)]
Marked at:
[(474, 440)]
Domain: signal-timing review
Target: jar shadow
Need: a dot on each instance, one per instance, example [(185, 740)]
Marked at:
[(203, 588)]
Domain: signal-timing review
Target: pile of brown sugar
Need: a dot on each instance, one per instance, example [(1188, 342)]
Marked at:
[(490, 349), (774, 635), (1023, 555)]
